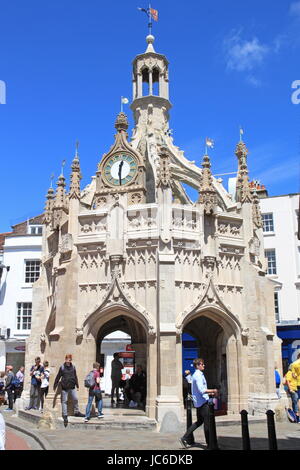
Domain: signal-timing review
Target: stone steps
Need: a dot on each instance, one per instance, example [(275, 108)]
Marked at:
[(110, 421)]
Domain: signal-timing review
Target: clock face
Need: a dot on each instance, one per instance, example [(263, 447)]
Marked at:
[(120, 169)]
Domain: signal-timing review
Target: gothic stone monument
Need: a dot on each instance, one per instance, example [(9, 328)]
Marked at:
[(131, 251)]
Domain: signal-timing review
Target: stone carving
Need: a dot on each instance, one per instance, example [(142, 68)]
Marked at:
[(66, 243), (79, 332)]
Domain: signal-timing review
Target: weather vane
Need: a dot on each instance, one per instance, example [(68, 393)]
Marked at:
[(51, 180), (151, 14), (62, 167)]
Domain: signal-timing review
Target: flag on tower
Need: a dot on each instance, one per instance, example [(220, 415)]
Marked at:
[(154, 14), (209, 142), (125, 100)]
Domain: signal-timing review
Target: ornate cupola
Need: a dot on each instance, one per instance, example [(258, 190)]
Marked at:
[(121, 170), (151, 87)]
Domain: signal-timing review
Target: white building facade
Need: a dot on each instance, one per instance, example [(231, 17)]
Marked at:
[(282, 249), (21, 260)]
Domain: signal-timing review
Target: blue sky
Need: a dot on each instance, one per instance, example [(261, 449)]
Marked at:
[(66, 63)]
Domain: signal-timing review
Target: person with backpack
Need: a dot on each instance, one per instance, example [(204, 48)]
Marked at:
[(92, 382), (67, 377), (35, 387), (9, 387)]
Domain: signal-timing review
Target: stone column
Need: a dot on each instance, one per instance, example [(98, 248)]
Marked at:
[(151, 376), (150, 83), (233, 378), (168, 403)]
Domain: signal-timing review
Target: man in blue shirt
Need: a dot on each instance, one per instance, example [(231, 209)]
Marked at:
[(200, 394)]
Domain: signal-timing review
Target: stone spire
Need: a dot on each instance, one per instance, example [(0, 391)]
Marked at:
[(256, 213), (60, 196), (207, 192), (75, 177), (49, 206), (243, 191)]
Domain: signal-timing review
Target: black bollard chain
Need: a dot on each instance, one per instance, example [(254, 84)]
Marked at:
[(213, 442), (271, 430), (245, 430)]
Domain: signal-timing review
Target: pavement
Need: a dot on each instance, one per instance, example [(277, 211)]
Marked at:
[(93, 436)]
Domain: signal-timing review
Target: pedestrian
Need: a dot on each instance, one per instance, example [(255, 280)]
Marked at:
[(2, 433), (137, 387), (290, 384), (296, 374), (20, 387), (277, 381), (67, 377), (94, 392), (116, 376), (2, 388), (200, 394), (35, 386), (9, 388), (45, 384)]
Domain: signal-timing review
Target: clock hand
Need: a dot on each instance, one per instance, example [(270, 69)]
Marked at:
[(120, 171)]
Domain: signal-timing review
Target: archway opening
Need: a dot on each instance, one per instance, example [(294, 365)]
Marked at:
[(205, 338), (127, 337)]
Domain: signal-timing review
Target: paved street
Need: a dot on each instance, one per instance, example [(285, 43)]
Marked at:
[(90, 438)]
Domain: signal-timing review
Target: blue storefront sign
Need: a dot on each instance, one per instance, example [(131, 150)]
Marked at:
[(290, 335)]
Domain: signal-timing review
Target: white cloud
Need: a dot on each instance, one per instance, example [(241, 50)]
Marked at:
[(244, 55), (295, 9), (253, 81)]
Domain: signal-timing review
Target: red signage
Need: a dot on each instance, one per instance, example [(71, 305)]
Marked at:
[(129, 347), (20, 348)]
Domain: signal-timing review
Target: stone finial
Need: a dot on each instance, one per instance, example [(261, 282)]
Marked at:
[(243, 191), (121, 123), (207, 192), (49, 206), (75, 177), (150, 40)]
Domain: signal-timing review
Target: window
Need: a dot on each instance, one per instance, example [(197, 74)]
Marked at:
[(276, 302), (35, 229), (32, 270), (271, 257), (24, 315), (268, 223)]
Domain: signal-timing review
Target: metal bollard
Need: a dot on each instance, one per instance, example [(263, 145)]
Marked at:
[(271, 430), (189, 419), (245, 430), (213, 442)]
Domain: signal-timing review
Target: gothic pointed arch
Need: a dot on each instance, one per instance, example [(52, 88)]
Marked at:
[(210, 301), (117, 298)]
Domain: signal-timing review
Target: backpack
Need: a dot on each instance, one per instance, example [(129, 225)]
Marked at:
[(90, 381), (15, 383)]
